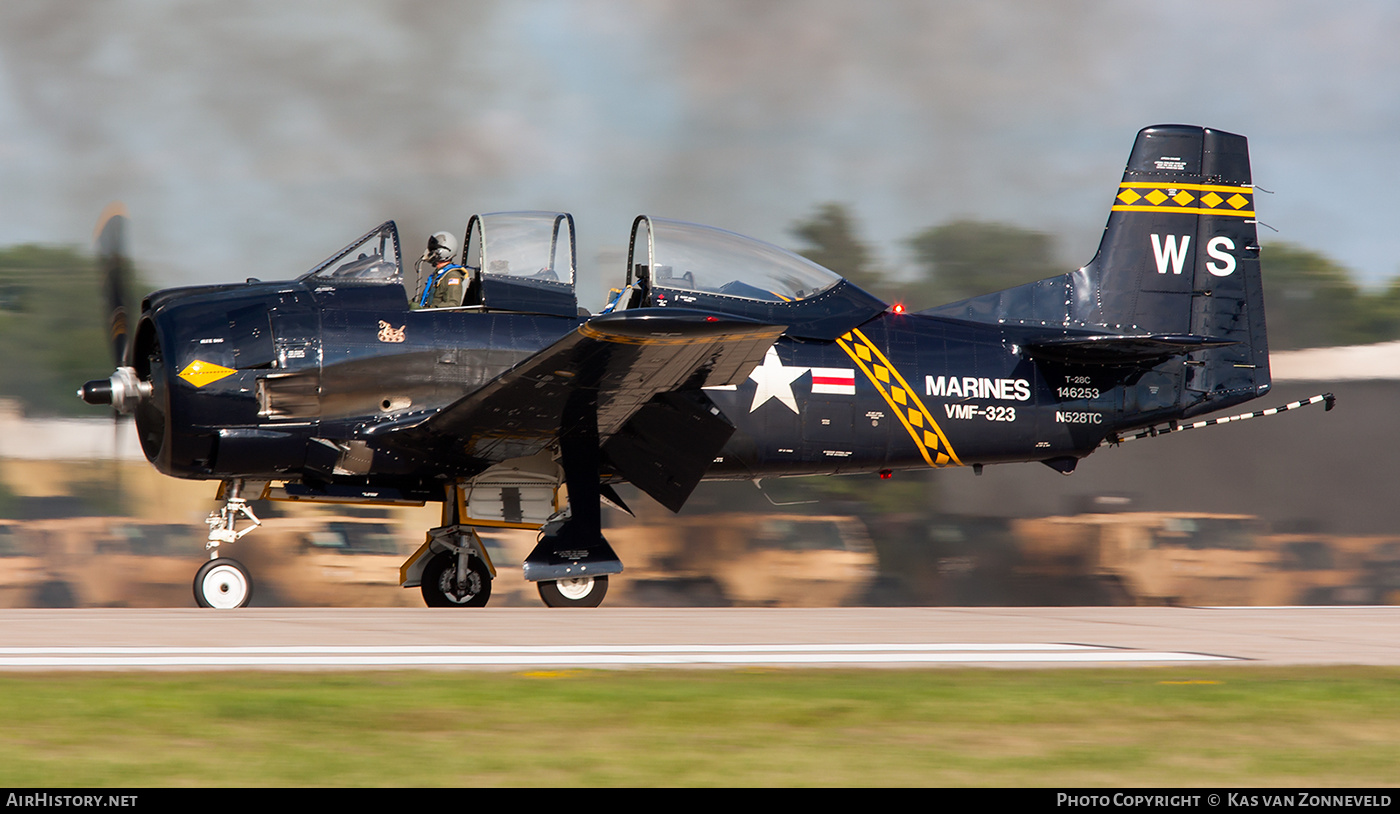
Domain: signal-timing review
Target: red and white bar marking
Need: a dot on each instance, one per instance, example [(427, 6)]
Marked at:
[(835, 381)]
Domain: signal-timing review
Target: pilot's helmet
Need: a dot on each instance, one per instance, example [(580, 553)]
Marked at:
[(441, 247)]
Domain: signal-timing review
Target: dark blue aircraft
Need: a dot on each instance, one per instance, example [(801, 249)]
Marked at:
[(720, 358)]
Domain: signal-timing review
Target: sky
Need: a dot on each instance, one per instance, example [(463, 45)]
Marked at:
[(256, 138)]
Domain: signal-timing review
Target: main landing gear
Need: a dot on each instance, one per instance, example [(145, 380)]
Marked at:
[(571, 562), (453, 570), (456, 572), (224, 583), (587, 592), (449, 583)]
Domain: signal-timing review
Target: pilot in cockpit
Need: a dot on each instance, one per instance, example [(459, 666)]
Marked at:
[(446, 285), (636, 295)]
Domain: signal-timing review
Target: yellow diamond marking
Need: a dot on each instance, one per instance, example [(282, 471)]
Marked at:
[(1127, 196), (882, 373), (930, 440), (915, 417), (863, 352), (942, 459), (898, 394), (1183, 198), (1156, 196), (1237, 200), (200, 373), (846, 336), (1211, 199)]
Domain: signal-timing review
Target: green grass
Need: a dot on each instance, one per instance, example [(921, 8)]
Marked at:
[(1173, 726)]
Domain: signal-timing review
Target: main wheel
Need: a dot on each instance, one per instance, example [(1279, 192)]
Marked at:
[(440, 585), (222, 583), (587, 592)]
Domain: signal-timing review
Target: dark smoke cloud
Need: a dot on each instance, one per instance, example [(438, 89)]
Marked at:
[(253, 138)]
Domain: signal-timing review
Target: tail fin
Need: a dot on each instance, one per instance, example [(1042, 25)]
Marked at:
[(1177, 273)]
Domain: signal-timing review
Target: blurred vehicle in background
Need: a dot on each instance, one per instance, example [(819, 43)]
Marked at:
[(1183, 558), (94, 562), (782, 560), (738, 559)]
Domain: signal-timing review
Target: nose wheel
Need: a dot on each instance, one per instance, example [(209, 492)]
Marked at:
[(222, 583)]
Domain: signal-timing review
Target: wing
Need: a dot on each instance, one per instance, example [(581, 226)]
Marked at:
[(639, 372)]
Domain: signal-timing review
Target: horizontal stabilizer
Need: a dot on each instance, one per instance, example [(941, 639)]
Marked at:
[(1115, 349)]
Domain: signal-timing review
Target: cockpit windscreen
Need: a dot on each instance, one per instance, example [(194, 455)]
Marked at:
[(374, 257)]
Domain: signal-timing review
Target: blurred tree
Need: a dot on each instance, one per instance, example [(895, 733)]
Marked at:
[(1385, 311), (966, 258), (53, 328), (1311, 301), (831, 241)]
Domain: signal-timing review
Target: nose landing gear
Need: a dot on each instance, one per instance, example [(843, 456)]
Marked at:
[(224, 583)]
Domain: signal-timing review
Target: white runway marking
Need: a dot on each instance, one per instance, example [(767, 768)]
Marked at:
[(408, 656)]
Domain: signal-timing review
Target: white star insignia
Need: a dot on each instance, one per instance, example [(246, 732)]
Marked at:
[(774, 381)]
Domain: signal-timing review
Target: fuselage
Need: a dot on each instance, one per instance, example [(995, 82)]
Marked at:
[(253, 381)]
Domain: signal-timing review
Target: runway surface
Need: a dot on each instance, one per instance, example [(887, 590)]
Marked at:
[(521, 638)]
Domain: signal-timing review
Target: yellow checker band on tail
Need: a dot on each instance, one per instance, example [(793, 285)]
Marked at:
[(1194, 199), (903, 400)]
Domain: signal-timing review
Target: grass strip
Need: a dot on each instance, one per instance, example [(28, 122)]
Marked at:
[(1168, 726)]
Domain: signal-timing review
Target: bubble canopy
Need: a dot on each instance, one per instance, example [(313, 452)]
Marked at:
[(522, 261), (685, 257), (673, 264), (532, 245)]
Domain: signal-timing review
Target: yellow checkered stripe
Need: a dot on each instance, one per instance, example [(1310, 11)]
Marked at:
[(902, 398), (1194, 199)]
